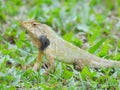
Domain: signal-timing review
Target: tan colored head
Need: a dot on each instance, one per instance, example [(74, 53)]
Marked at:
[(34, 28), (38, 33)]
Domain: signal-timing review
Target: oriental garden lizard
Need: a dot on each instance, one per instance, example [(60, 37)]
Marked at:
[(56, 48)]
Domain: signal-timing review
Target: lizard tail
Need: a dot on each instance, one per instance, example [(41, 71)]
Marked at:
[(97, 62), (105, 63), (90, 60)]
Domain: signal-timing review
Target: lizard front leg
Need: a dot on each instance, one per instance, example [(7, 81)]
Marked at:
[(37, 63), (42, 43), (51, 62)]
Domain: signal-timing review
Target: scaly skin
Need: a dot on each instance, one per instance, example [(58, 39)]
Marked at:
[(64, 51)]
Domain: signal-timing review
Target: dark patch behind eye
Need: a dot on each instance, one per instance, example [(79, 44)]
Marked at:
[(44, 42)]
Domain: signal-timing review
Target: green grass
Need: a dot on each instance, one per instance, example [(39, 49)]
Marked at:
[(98, 22)]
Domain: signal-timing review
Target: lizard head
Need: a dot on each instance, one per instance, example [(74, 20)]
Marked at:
[(37, 33), (34, 28)]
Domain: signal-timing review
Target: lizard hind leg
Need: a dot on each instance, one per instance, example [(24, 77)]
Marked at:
[(78, 64)]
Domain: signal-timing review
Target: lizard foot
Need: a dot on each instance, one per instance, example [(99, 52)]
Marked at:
[(46, 65), (49, 68)]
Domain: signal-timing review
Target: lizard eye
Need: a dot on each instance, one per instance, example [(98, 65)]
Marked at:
[(34, 24)]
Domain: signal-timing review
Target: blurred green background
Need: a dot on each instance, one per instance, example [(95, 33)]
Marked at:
[(93, 25)]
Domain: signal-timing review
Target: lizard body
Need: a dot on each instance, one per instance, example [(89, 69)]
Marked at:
[(62, 50)]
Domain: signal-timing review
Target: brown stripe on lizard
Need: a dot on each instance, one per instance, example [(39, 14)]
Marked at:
[(62, 50)]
